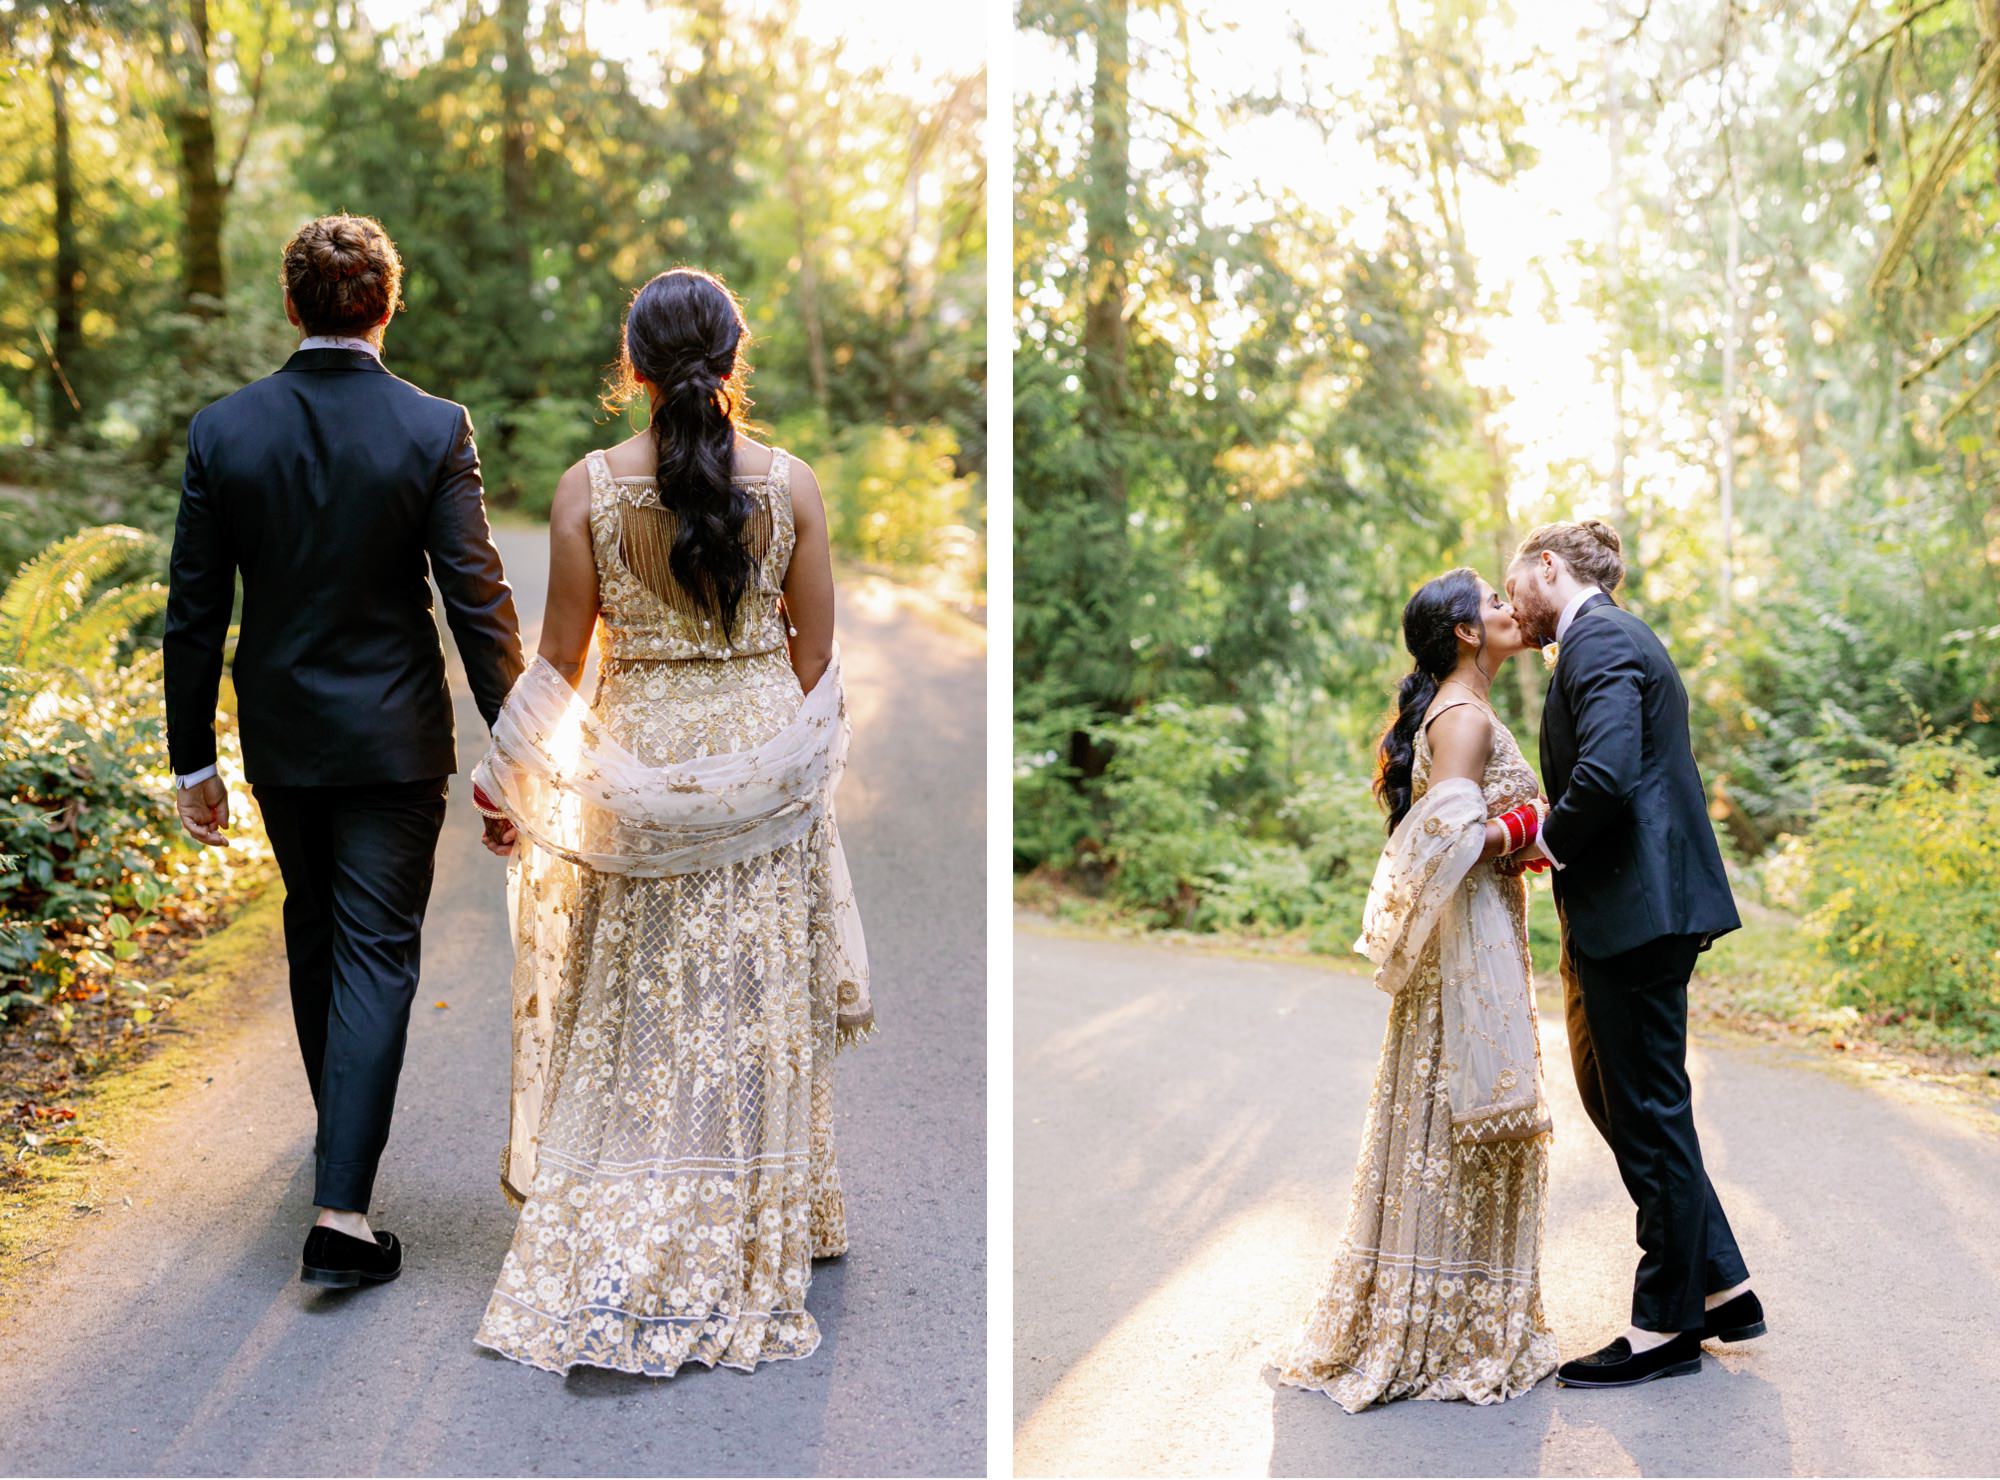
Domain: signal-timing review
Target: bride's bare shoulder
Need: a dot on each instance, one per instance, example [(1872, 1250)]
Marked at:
[(753, 458), (632, 458)]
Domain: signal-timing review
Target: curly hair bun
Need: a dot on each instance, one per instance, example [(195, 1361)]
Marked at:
[(341, 253), (1604, 534), (1590, 547), (343, 274)]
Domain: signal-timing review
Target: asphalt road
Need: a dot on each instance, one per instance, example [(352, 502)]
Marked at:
[(1185, 1129), (173, 1337)]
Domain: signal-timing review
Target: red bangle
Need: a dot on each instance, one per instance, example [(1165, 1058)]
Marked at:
[(1521, 825)]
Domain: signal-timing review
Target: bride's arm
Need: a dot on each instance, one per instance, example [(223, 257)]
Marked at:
[(809, 581), (571, 613), (1461, 738)]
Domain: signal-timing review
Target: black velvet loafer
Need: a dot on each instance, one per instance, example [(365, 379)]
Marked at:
[(340, 1261), (1737, 1319), (1617, 1365)]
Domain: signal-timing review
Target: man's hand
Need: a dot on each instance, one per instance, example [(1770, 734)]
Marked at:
[(499, 836), (204, 810)]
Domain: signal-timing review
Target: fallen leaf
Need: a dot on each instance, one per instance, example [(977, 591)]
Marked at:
[(440, 1003)]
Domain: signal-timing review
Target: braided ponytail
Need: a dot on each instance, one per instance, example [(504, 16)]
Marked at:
[(683, 338)]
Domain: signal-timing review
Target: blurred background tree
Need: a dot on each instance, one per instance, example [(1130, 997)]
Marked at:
[(1314, 304)]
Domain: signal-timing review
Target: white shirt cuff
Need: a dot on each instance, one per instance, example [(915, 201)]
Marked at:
[(1554, 862), (195, 778)]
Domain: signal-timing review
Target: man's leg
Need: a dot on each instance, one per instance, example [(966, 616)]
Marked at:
[(1582, 1053), (296, 819), (385, 847), (1637, 1010)]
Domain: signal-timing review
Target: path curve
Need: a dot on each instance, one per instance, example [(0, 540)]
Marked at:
[(173, 1337), (1186, 1122)]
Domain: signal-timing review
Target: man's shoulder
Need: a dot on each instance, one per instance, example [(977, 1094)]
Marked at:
[(249, 397), (443, 409), (1611, 629)]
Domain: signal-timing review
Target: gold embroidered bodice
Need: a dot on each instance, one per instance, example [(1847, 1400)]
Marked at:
[(1508, 780), (645, 614)]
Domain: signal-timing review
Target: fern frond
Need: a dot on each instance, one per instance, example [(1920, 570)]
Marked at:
[(92, 638), (51, 590)]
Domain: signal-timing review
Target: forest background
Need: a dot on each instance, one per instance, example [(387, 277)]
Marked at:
[(1313, 303)]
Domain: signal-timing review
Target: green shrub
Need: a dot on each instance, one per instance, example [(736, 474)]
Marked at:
[(525, 449), (87, 827), (1052, 815), (1169, 839), (1901, 882), (895, 499)]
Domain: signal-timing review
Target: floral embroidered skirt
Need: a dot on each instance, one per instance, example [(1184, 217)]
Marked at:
[(685, 1177), (1436, 1290)]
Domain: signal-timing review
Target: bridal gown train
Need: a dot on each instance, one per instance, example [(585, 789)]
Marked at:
[(683, 1163), (1436, 1289)]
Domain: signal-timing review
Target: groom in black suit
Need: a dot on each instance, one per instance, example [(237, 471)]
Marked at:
[(1640, 887), (337, 490)]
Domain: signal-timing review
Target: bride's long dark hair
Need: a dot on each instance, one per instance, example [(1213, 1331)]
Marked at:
[(684, 338), (1429, 619)]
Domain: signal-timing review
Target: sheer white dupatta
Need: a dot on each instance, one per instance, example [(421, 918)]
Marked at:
[(581, 800), (1427, 884)]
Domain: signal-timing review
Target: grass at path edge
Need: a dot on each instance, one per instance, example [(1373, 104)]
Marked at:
[(57, 1187)]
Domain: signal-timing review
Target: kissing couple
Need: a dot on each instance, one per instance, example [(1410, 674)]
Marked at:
[(688, 957), (1436, 1289)]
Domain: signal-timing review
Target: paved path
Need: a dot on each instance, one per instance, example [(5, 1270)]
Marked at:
[(174, 1337), (1185, 1130)]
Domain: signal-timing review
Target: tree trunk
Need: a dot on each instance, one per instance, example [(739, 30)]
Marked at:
[(515, 131), (1614, 285), (1107, 208), (807, 284), (64, 413), (1108, 231), (202, 195), (1726, 432)]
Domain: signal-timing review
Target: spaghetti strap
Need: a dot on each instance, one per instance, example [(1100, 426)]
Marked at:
[(1431, 718)]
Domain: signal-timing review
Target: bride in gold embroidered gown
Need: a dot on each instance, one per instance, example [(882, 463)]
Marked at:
[(687, 952), (1435, 1291)]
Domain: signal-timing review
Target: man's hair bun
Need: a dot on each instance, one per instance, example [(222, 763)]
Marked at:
[(1589, 547), (1604, 534), (343, 274)]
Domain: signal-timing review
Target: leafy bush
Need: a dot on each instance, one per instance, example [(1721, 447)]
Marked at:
[(1169, 837), (895, 499), (1901, 881), (87, 828), (1053, 818)]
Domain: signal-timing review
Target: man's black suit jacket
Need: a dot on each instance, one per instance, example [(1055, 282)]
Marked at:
[(1629, 820), (336, 489)]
